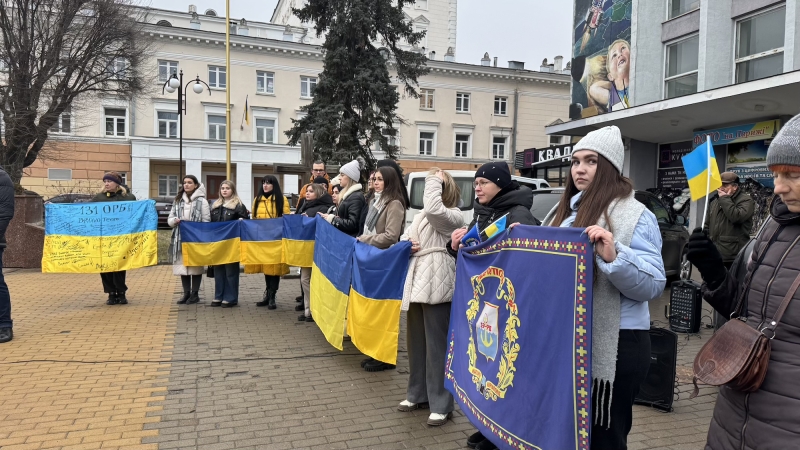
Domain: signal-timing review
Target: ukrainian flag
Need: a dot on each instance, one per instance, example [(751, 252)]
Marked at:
[(496, 227), (376, 292), (298, 240), (210, 243), (262, 242), (697, 165), (100, 237), (330, 280)]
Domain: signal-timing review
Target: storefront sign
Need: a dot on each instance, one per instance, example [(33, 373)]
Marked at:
[(557, 154), (669, 155), (672, 179), (749, 160), (739, 133)]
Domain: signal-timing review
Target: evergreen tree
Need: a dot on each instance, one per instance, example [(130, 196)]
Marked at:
[(355, 101)]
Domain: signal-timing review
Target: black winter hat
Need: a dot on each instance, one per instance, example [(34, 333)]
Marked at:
[(322, 180), (496, 172)]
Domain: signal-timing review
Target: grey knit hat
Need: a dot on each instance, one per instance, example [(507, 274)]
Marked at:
[(352, 170), (606, 141), (785, 147)]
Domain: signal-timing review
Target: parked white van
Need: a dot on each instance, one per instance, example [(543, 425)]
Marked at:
[(464, 178)]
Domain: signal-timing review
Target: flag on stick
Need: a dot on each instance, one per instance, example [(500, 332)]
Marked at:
[(702, 171)]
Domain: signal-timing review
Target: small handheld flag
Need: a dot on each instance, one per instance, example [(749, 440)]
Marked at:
[(473, 237), (702, 171), (246, 112), (496, 227)]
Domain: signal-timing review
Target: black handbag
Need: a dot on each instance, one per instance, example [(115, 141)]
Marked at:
[(210, 272)]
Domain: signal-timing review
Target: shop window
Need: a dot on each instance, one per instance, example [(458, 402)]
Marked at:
[(759, 45)]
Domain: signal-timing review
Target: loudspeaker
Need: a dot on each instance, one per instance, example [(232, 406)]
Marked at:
[(658, 388), (685, 306)]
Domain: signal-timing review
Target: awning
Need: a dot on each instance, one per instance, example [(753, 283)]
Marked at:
[(676, 119)]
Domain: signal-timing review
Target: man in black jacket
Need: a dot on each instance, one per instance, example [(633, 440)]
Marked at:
[(6, 214)]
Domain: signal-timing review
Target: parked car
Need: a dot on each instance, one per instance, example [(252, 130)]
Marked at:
[(163, 207), (674, 235)]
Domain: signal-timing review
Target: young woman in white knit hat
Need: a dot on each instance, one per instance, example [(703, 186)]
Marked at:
[(351, 200), (629, 273)]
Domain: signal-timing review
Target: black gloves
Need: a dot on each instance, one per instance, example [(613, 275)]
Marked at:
[(703, 254)]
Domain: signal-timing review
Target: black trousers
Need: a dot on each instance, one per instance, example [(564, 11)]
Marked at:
[(114, 282), (633, 362), (191, 283), (273, 282)]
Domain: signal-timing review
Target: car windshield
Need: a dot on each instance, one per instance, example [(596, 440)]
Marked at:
[(543, 203), (464, 185)]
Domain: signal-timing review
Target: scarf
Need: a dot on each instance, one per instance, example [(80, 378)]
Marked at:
[(375, 210), (195, 215)]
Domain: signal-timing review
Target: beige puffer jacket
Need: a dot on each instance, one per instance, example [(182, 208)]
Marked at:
[(431, 271)]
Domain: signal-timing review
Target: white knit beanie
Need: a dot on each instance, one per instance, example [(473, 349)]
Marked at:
[(352, 170), (606, 141)]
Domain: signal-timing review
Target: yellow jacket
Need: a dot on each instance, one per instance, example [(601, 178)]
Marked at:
[(266, 210)]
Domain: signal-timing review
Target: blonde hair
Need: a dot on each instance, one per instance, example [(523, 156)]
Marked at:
[(451, 193), (318, 190), (608, 52), (234, 201)]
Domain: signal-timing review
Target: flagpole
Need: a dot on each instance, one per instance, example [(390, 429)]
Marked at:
[(708, 181), (228, 89)]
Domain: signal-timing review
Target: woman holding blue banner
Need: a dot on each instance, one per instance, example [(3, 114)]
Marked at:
[(114, 282), (427, 295), (269, 204), (190, 205), (317, 201), (629, 272), (226, 276)]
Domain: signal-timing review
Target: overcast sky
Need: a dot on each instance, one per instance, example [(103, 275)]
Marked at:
[(521, 30)]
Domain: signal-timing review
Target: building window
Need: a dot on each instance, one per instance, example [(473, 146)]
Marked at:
[(265, 82), (217, 78), (499, 147), (63, 124), (119, 68), (501, 106), (556, 140), (265, 131), (426, 141), (115, 122), (166, 69), (167, 185), (681, 68), (759, 45), (678, 7), (421, 4), (422, 29), (167, 124), (216, 128), (307, 87), (462, 145), (62, 175), (462, 102), (426, 99)]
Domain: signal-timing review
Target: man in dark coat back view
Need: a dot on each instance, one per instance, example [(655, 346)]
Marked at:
[(6, 214)]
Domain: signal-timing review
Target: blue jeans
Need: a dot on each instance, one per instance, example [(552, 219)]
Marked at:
[(226, 282), (5, 298)]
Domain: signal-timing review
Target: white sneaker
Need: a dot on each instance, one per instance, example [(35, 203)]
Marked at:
[(406, 406), (436, 419)]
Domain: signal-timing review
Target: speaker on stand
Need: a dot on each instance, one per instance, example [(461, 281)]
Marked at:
[(658, 389)]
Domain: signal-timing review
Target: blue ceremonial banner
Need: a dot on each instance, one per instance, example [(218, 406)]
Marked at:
[(519, 356)]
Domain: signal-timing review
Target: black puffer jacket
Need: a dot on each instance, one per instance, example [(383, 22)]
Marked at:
[(223, 214), (770, 417), (316, 206), (6, 205), (514, 200), (348, 215)]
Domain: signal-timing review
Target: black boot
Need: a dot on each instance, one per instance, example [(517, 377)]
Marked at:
[(271, 300), (112, 298), (264, 300), (121, 300), (193, 298), (185, 298)]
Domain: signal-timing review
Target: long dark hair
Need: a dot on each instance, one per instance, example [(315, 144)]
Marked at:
[(607, 186), (392, 187), (275, 192), (181, 191)]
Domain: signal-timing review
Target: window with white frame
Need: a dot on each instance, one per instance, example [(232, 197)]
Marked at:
[(265, 131), (216, 127), (501, 106), (307, 87), (419, 28), (119, 68), (166, 69), (167, 185), (217, 77), (427, 142), (678, 7), (426, 99), (63, 124), (462, 145), (556, 140), (759, 45), (167, 124), (462, 102), (115, 122), (421, 4), (499, 147), (681, 67), (265, 82)]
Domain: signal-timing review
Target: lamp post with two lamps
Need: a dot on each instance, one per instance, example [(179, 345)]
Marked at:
[(175, 83)]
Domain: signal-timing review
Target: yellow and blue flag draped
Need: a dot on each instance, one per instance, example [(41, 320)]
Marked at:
[(210, 243), (262, 241), (376, 294), (298, 240), (698, 164), (100, 237), (330, 280), (519, 393)]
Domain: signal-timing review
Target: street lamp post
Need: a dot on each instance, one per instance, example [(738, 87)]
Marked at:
[(173, 84)]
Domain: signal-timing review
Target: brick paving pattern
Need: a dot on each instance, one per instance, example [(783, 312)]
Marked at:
[(237, 378)]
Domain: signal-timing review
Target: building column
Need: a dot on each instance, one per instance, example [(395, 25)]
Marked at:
[(244, 182), (193, 167), (140, 177)]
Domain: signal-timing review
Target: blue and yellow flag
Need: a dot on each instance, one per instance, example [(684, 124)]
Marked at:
[(210, 243), (519, 359), (495, 227), (100, 237), (698, 165), (376, 294), (246, 110), (262, 241), (298, 240), (330, 280)]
